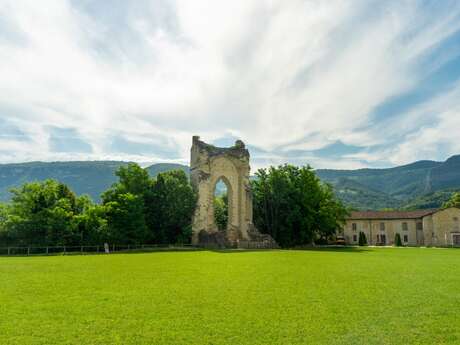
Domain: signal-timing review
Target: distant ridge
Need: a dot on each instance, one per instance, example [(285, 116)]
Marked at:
[(155, 169), (422, 184), (84, 177), (396, 187)]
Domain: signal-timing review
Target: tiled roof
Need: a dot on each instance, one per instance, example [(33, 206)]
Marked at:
[(391, 214)]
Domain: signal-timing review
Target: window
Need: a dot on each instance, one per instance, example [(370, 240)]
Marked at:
[(354, 226), (382, 226), (456, 239), (406, 239), (404, 226), (419, 226), (355, 238)]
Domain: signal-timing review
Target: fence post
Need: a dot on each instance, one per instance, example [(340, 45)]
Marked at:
[(8, 251), (28, 250), (64, 250), (113, 247), (47, 251), (98, 249)]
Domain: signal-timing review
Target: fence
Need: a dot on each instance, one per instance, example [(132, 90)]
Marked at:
[(68, 250), (63, 250)]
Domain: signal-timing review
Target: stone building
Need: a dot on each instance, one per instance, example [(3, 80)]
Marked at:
[(209, 165), (434, 227)]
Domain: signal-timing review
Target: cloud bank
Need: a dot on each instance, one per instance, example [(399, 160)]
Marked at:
[(342, 84)]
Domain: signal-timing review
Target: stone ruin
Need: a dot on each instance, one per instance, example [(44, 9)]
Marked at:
[(208, 166)]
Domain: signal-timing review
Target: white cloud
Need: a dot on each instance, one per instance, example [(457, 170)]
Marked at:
[(437, 137), (280, 75)]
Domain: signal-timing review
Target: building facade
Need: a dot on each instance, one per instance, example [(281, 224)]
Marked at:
[(434, 227)]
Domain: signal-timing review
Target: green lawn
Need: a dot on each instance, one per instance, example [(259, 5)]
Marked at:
[(348, 296)]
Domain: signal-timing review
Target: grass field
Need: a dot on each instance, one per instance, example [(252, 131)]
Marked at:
[(348, 296)]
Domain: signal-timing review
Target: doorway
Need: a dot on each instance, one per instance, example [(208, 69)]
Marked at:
[(456, 240)]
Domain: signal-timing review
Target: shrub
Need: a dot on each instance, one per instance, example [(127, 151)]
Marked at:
[(398, 242), (362, 241)]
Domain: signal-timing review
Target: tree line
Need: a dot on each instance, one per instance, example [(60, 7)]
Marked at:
[(137, 209), (290, 203)]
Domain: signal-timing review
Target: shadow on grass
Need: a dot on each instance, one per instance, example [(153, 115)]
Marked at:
[(239, 250), (341, 249)]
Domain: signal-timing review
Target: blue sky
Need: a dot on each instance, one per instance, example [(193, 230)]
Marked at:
[(334, 84)]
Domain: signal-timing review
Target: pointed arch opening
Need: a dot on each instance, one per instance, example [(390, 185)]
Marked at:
[(222, 203)]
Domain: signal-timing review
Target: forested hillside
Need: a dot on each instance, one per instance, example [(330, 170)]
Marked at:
[(91, 177), (407, 186)]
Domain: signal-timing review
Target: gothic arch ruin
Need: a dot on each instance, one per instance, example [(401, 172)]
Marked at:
[(208, 165)]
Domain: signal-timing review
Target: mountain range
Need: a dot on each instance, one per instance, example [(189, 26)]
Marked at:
[(423, 184)]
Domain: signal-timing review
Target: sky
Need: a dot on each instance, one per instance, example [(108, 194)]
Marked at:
[(334, 84)]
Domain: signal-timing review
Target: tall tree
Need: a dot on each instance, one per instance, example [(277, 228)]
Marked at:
[(293, 206), (131, 179), (170, 205), (124, 204)]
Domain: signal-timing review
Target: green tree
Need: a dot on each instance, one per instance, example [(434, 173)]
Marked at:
[(41, 213), (398, 242), (131, 179), (90, 225), (126, 219), (332, 212), (4, 238), (362, 241), (136, 209), (454, 201), (124, 206), (170, 204), (294, 207), (221, 211), (139, 208)]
